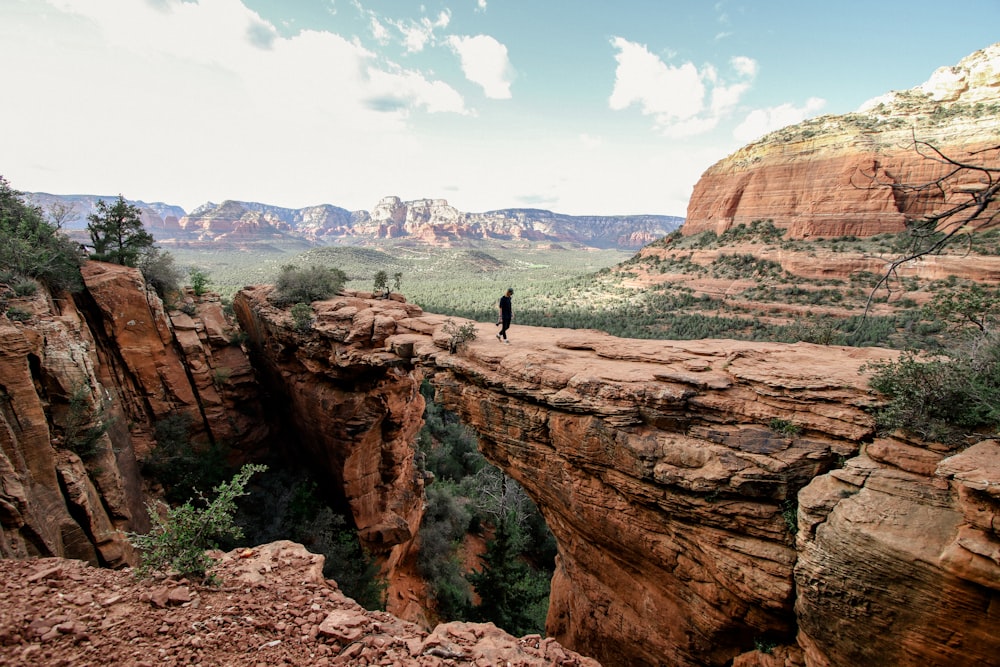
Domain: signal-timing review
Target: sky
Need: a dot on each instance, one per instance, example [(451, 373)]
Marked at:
[(582, 107)]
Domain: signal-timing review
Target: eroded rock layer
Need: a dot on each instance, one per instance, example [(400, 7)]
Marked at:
[(842, 175), (670, 472), (83, 382)]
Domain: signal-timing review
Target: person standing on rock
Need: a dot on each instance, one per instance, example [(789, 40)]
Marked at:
[(506, 314)]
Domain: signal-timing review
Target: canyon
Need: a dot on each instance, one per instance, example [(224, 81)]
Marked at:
[(709, 498), (715, 502)]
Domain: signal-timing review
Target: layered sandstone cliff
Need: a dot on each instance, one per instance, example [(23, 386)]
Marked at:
[(670, 473), (84, 381), (840, 175)]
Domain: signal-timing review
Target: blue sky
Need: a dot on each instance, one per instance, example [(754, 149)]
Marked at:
[(596, 107)]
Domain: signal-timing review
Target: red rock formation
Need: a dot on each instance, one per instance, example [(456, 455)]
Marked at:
[(84, 381), (899, 557), (355, 407), (836, 175), (669, 477)]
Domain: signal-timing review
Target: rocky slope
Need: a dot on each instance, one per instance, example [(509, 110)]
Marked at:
[(839, 175), (273, 607), (83, 383)]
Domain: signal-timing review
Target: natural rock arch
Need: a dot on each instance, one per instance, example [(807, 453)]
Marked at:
[(668, 472)]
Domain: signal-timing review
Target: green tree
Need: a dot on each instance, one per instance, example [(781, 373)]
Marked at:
[(30, 247), (397, 281), (199, 281), (973, 304), (117, 234), (381, 281), (512, 595)]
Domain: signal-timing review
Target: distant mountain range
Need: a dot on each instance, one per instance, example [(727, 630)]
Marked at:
[(423, 221)]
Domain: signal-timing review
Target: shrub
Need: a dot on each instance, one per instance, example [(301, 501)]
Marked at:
[(289, 507), (32, 247), (784, 426), (199, 281), (183, 469), (178, 542), (15, 314), (302, 316), (459, 334), (160, 271), (941, 399), (23, 287), (307, 285), (83, 425)]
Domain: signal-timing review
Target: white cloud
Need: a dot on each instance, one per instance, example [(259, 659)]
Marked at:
[(745, 66), (485, 63), (379, 32), (676, 95), (480, 5), (186, 102), (417, 34), (761, 121)]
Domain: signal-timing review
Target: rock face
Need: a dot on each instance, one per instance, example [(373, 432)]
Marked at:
[(670, 473), (355, 409), (428, 221), (425, 221), (83, 384), (816, 178)]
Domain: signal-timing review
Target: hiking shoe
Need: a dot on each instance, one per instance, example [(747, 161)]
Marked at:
[(498, 337), (506, 341)]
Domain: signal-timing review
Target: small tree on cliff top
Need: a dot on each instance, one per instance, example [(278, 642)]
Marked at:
[(117, 234)]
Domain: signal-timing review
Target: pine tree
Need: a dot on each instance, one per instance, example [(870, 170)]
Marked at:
[(117, 234)]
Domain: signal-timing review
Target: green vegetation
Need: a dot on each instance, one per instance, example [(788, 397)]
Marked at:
[(117, 234), (943, 399), (200, 281), (178, 542), (84, 424), (160, 271), (785, 427), (31, 247), (458, 334), (307, 285), (287, 505), (185, 468), (471, 499), (380, 283), (302, 316)]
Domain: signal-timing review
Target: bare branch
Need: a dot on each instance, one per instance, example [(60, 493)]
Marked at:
[(971, 190)]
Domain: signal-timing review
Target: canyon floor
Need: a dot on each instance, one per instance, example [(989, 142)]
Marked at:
[(272, 607)]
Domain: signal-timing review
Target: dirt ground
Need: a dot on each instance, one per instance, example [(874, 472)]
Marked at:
[(273, 607)]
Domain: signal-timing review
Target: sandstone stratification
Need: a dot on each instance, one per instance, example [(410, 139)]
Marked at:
[(84, 380), (838, 175), (355, 408), (668, 471), (899, 557)]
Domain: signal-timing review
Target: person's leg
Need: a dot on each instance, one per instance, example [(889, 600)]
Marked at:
[(503, 329)]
